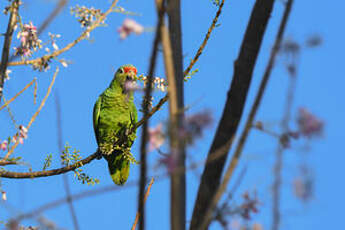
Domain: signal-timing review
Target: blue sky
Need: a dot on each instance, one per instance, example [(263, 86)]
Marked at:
[(319, 88)]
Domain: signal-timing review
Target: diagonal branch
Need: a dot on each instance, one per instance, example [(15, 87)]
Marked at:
[(20, 92), (33, 118), (204, 42), (47, 57), (145, 198), (237, 154), (232, 113)]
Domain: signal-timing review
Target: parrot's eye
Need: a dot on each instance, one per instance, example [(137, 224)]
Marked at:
[(121, 70)]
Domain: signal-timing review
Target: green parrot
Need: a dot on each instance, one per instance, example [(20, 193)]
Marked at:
[(114, 115)]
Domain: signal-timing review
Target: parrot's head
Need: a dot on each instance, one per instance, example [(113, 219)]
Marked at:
[(126, 73)]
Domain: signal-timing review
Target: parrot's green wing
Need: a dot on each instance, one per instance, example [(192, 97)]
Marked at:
[(133, 114), (96, 112)]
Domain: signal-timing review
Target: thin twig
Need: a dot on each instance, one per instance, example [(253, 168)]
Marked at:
[(64, 176), (203, 44), (144, 137), (7, 43), (278, 165), (70, 45), (145, 198), (33, 118), (59, 7), (15, 96), (237, 154)]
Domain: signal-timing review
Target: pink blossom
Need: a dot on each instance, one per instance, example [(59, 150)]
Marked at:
[(249, 205), (156, 137), (303, 185), (169, 161), (16, 138), (131, 86), (129, 26), (3, 145), (309, 125), (23, 131), (28, 40), (3, 195), (194, 125)]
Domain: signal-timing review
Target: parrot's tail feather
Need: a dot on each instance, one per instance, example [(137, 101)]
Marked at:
[(118, 168)]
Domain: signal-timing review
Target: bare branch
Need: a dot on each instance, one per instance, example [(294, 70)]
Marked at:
[(173, 59), (237, 154), (232, 113), (145, 198), (64, 176), (144, 137), (203, 44), (35, 114), (59, 7), (15, 96)]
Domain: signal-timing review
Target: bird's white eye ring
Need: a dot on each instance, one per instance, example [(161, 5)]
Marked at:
[(121, 70)]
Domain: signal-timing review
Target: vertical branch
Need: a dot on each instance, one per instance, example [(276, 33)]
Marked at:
[(64, 176), (7, 43), (278, 165), (174, 67), (232, 113), (144, 137)]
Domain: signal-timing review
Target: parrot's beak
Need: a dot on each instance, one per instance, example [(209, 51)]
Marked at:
[(131, 76)]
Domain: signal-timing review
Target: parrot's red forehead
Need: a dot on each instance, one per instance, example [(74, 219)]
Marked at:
[(127, 69)]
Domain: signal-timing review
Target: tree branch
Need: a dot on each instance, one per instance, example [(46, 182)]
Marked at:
[(7, 43), (145, 198), (15, 96), (173, 59), (33, 118), (147, 98), (237, 154), (232, 113), (53, 172), (203, 44), (47, 57), (64, 176)]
